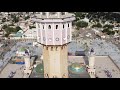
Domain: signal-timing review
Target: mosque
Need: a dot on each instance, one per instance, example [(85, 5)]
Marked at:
[(54, 34)]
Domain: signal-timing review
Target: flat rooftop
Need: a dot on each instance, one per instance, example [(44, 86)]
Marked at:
[(102, 64)]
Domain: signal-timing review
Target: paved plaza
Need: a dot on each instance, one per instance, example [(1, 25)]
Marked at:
[(101, 48)]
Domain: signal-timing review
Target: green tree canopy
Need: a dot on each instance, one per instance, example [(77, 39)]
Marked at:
[(81, 24), (108, 31), (15, 19), (18, 28), (6, 35), (108, 26), (98, 25), (4, 26), (27, 17), (4, 20)]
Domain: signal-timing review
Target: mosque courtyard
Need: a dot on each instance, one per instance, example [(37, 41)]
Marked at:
[(107, 60)]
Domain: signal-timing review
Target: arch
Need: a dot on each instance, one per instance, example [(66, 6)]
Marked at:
[(49, 26), (51, 48), (43, 26), (68, 25), (56, 27), (64, 75), (63, 26), (46, 75), (54, 76), (56, 48), (46, 48), (62, 13), (38, 25), (43, 13), (52, 13)]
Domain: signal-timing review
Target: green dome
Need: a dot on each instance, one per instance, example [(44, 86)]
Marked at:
[(39, 68), (22, 49), (76, 68)]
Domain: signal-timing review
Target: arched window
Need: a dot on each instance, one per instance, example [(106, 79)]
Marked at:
[(49, 27), (56, 26), (63, 26), (38, 25), (56, 48), (46, 48), (68, 24), (52, 13), (43, 13), (64, 75), (51, 48), (43, 26), (46, 75), (62, 13)]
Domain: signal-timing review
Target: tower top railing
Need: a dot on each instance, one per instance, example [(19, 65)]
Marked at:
[(49, 15)]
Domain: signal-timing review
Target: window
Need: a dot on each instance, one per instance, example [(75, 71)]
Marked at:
[(43, 13), (38, 25), (64, 75), (56, 26), (49, 27), (43, 26), (56, 48), (46, 75), (52, 13), (46, 48), (68, 25), (63, 13), (51, 48), (62, 47), (63, 26)]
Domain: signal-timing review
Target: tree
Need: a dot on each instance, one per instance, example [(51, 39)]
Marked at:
[(108, 26), (105, 30), (6, 35), (27, 17), (98, 25), (81, 24), (18, 28), (4, 27), (4, 20), (78, 14), (108, 31), (8, 30), (15, 19)]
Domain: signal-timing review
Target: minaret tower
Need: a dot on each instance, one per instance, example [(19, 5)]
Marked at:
[(91, 67), (26, 55), (54, 33)]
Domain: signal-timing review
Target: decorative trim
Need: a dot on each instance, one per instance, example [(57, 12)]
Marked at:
[(50, 39), (57, 39), (68, 36)]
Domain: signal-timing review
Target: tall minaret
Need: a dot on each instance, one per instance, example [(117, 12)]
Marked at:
[(27, 70), (54, 33), (91, 67)]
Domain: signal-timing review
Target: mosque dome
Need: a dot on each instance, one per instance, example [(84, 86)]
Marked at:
[(23, 51), (77, 68), (39, 68)]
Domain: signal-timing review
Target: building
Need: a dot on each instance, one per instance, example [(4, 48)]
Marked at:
[(54, 33), (30, 34)]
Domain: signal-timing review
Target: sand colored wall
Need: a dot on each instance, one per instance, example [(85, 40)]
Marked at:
[(55, 61)]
